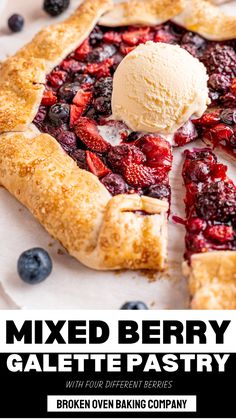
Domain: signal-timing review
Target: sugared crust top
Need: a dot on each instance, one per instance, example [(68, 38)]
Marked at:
[(55, 42), (208, 20), (21, 88), (142, 12), (22, 77), (195, 15)]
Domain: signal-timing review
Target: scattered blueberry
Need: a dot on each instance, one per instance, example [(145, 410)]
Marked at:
[(134, 305), (16, 23), (59, 113), (55, 7), (34, 265)]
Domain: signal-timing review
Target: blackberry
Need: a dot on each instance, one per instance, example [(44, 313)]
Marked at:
[(217, 201), (220, 59), (16, 23), (102, 105), (103, 87), (55, 7), (219, 82)]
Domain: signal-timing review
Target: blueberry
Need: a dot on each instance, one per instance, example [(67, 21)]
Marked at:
[(134, 305), (34, 265), (59, 113), (55, 7), (68, 91), (16, 23)]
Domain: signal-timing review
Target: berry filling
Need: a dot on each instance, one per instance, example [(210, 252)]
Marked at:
[(76, 109), (210, 204)]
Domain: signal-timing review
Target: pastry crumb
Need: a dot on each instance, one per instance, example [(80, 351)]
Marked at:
[(60, 252)]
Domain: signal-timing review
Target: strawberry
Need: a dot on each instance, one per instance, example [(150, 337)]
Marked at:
[(49, 98), (57, 77), (125, 49), (75, 114), (208, 119), (138, 175), (100, 69), (86, 129), (219, 132), (163, 36), (124, 155), (219, 171), (157, 151), (112, 37), (136, 36), (82, 98), (83, 50), (220, 233), (95, 164), (233, 86)]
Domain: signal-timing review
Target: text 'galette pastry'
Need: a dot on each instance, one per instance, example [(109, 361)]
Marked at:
[(98, 182)]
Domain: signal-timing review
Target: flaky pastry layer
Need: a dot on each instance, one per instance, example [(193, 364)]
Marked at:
[(212, 280), (102, 232), (195, 15)]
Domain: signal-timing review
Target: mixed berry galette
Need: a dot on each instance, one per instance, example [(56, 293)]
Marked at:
[(99, 183)]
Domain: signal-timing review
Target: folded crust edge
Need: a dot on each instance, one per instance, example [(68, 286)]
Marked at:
[(101, 231)]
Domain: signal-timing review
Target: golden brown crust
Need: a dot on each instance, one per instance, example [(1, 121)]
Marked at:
[(142, 12), (22, 77), (195, 15), (100, 231), (212, 280), (208, 20), (55, 42), (21, 88)]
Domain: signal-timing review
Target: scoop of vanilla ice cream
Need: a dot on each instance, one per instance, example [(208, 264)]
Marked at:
[(158, 87)]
